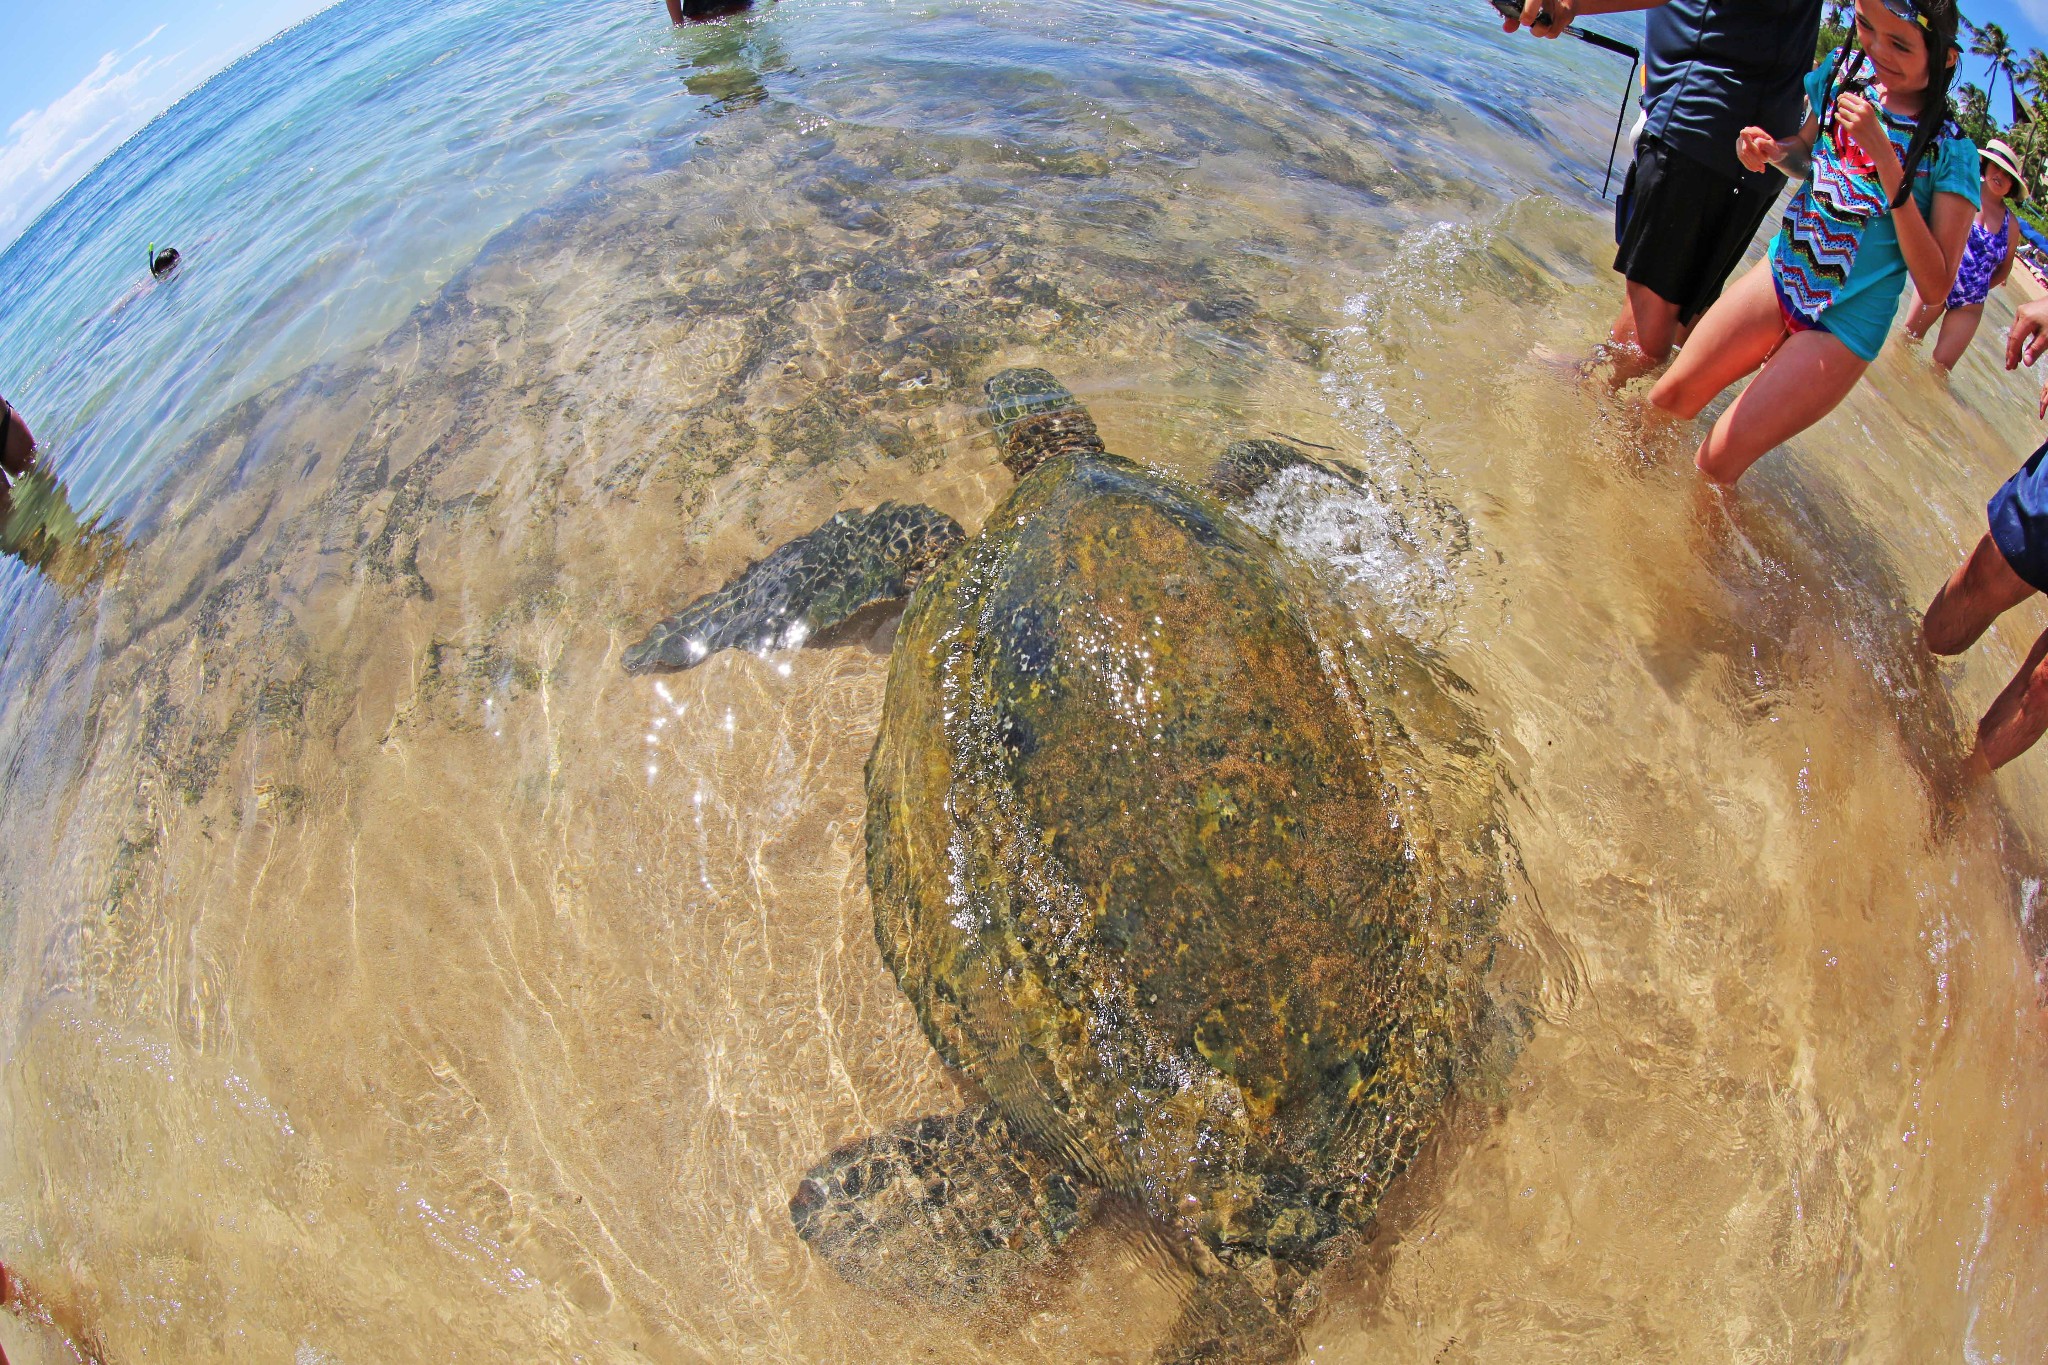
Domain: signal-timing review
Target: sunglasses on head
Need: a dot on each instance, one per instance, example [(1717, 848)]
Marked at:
[(1908, 10)]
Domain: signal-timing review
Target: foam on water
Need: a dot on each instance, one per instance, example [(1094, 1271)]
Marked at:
[(1360, 536), (385, 974)]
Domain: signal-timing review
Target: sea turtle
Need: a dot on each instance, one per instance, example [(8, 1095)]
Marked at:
[(1194, 878)]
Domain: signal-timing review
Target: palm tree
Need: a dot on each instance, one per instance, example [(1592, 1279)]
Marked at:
[(1836, 30), (2033, 74), (1990, 43), (1973, 112)]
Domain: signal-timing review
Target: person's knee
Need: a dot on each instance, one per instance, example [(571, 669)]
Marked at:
[(1941, 633), (1669, 397), (1718, 462)]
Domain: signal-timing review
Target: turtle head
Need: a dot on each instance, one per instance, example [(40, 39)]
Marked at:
[(1036, 420)]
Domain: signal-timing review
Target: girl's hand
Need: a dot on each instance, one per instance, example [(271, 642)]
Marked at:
[(1859, 118), (1756, 149)]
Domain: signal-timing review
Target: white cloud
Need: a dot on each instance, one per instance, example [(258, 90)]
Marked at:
[(48, 149)]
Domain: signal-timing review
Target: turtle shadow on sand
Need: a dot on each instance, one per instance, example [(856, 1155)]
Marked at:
[(1197, 882)]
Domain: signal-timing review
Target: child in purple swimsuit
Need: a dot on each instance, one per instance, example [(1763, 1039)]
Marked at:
[(1987, 260)]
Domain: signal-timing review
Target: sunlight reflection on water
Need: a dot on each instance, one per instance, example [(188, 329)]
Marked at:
[(390, 976)]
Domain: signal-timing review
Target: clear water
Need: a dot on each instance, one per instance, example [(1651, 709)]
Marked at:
[(387, 976)]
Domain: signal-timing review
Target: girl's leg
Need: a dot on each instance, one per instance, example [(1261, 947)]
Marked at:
[(1800, 384), (1920, 316), (1978, 593), (1734, 337), (1956, 330)]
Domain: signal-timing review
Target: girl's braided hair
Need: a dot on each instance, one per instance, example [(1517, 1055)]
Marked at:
[(1935, 114), (1940, 21)]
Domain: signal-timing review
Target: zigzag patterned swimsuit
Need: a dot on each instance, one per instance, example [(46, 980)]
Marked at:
[(1811, 259)]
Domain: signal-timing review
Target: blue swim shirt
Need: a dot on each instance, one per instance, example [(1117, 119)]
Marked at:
[(1859, 308)]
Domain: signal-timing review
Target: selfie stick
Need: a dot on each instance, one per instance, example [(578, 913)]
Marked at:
[(1635, 59)]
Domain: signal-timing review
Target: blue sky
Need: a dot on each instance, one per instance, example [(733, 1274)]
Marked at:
[(2025, 22), (84, 76)]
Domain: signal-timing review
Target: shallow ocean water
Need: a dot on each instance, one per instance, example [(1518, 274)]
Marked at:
[(388, 976)]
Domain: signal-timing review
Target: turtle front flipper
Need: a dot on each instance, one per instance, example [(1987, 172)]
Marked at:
[(946, 1209), (813, 583)]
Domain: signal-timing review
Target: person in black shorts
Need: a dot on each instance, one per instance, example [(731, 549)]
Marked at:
[(2008, 565), (1689, 209)]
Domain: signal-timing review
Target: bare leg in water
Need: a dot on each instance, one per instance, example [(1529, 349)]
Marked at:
[(1803, 376), (1958, 329), (1982, 590), (1643, 333), (17, 1298)]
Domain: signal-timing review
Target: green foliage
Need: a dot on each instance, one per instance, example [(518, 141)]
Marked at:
[(1990, 43), (1835, 28), (1973, 111), (2026, 80)]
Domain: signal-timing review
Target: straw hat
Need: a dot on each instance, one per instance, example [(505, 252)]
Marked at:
[(2003, 157)]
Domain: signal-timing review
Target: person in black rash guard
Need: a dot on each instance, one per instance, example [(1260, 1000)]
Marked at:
[(1689, 209)]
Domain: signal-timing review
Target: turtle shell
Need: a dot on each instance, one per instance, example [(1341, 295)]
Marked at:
[(1161, 851)]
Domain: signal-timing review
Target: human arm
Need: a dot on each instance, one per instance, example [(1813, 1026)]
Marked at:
[(1757, 149), (2012, 252), (1932, 251), (1563, 12), (2027, 339), (675, 11)]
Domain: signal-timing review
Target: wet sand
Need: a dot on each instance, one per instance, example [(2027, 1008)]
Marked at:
[(392, 977)]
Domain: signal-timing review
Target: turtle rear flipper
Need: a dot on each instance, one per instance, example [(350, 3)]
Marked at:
[(1229, 1316), (948, 1209), (808, 586), (1248, 466)]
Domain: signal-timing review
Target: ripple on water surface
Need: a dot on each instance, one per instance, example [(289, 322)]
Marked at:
[(391, 976)]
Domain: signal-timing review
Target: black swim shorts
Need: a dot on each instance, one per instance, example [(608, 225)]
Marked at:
[(1683, 226)]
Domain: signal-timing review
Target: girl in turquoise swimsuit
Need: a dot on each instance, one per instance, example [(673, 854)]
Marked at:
[(1987, 260), (1890, 188)]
